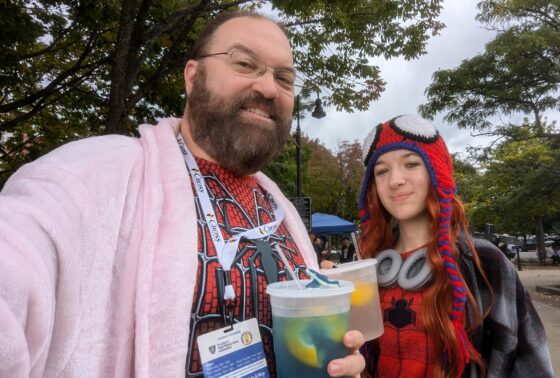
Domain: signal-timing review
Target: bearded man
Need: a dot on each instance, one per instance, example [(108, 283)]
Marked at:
[(115, 252)]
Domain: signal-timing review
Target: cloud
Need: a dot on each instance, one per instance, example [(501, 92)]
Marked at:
[(462, 39)]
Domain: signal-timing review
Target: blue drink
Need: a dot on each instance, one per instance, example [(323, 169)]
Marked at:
[(304, 346), (308, 326)]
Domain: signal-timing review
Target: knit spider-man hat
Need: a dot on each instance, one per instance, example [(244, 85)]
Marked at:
[(420, 136)]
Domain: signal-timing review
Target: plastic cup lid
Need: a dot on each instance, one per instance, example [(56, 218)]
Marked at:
[(351, 266), (289, 289)]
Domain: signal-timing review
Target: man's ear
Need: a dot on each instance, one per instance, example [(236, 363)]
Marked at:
[(189, 74)]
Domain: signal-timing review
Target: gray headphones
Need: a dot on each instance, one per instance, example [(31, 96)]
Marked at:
[(414, 274)]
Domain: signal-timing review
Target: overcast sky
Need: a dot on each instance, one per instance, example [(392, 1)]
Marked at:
[(462, 38)]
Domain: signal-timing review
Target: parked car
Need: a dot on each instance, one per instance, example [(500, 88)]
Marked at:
[(529, 245)]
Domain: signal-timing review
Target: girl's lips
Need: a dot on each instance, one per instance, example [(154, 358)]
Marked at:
[(400, 196)]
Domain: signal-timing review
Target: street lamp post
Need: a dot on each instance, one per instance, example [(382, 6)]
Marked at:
[(318, 113), (298, 151)]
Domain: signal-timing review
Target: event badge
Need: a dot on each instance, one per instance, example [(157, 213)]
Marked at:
[(233, 353)]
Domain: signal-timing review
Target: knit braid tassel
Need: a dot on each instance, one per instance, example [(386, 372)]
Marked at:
[(458, 287), (463, 348)]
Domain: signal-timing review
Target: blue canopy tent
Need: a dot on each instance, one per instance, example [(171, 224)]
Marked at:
[(327, 224), (324, 225)]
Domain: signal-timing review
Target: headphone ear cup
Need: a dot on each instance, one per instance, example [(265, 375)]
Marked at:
[(416, 272), (389, 263)]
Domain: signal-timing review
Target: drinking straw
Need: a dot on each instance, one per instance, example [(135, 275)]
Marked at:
[(288, 267)]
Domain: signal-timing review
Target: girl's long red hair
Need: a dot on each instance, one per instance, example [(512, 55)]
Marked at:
[(377, 235)]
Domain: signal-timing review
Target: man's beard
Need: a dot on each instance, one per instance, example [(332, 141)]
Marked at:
[(240, 145)]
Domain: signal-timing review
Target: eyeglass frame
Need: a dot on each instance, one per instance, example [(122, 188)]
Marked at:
[(261, 66)]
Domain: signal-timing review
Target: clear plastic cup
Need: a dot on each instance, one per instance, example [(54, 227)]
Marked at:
[(365, 310), (308, 327)]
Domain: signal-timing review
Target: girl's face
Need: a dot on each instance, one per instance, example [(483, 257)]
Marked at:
[(402, 182)]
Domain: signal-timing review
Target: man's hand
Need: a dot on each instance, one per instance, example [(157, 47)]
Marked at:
[(353, 364)]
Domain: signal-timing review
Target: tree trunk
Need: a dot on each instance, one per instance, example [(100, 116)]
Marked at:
[(540, 241), (538, 123), (116, 119)]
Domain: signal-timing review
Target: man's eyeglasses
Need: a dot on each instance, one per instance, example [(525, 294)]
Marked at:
[(250, 66)]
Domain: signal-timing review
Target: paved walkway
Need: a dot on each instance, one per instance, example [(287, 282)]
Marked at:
[(548, 306)]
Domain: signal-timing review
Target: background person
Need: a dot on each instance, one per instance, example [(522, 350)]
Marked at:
[(552, 253), (556, 256), (320, 252), (108, 246), (504, 248), (466, 315), (348, 251)]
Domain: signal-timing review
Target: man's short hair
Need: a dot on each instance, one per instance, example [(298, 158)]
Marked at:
[(208, 31)]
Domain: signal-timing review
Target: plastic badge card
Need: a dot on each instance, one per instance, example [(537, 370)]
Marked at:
[(236, 353)]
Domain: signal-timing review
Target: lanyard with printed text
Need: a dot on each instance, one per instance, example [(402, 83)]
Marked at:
[(226, 249)]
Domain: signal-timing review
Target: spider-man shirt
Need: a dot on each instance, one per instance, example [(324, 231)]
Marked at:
[(404, 350), (240, 204)]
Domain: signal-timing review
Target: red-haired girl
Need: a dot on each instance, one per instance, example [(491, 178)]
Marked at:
[(451, 306)]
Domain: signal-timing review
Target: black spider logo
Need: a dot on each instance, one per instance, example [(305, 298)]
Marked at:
[(400, 314)]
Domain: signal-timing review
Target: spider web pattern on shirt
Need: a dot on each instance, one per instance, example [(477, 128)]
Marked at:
[(240, 204)]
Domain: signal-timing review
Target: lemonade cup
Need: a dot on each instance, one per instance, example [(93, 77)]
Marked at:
[(365, 310), (308, 327)]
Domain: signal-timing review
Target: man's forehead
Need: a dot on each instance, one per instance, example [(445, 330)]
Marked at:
[(259, 35)]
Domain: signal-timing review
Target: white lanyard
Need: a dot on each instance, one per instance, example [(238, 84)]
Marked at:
[(226, 249)]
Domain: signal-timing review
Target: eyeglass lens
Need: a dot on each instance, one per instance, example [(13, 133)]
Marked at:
[(250, 66)]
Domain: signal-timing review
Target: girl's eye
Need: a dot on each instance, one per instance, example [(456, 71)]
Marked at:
[(380, 171), (412, 164)]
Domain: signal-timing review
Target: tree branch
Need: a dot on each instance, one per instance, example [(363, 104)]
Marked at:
[(51, 87), (43, 103), (194, 13), (50, 48)]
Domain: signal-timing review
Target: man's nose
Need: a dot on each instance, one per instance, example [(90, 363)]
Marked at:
[(266, 85)]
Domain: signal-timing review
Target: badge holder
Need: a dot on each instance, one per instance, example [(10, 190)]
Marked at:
[(235, 351)]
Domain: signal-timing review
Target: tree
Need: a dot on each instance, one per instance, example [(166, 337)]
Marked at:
[(74, 69), (464, 174), (518, 73), (518, 190), (349, 176), (331, 180), (319, 179), (282, 170)]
